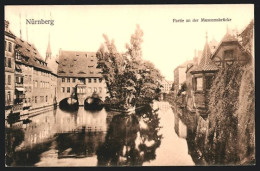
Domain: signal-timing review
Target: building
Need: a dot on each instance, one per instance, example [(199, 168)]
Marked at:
[(202, 77), (247, 36), (166, 86), (9, 63), (77, 71), (38, 78), (228, 52), (180, 75)]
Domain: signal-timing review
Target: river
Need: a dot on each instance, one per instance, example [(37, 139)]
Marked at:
[(85, 138)]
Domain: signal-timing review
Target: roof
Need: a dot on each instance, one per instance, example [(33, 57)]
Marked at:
[(213, 45), (228, 38), (184, 65), (7, 30), (29, 51), (206, 64), (78, 64)]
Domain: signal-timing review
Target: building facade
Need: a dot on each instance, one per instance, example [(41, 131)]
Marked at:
[(9, 63), (225, 54), (166, 86), (180, 75), (77, 74), (38, 78)]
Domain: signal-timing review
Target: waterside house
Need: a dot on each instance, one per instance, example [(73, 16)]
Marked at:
[(78, 71)]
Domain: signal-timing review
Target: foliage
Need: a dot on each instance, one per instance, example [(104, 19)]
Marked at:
[(183, 88), (126, 142), (246, 117), (129, 79), (172, 89), (222, 144)]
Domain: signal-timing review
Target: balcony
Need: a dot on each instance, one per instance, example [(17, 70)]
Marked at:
[(18, 84), (20, 96), (17, 108), (27, 105)]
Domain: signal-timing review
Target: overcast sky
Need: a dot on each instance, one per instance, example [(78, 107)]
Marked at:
[(167, 44)]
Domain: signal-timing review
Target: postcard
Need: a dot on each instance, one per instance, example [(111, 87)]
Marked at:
[(129, 85)]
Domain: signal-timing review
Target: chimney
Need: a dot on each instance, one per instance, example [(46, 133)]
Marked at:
[(6, 25)]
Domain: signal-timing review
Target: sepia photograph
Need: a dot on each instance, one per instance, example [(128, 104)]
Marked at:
[(129, 85)]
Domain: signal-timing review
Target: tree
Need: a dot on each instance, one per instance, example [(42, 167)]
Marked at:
[(129, 79)]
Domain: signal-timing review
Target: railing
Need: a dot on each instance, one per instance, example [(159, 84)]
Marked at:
[(19, 84), (27, 104), (20, 96), (17, 107)]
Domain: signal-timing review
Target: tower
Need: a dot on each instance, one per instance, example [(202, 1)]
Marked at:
[(48, 51)]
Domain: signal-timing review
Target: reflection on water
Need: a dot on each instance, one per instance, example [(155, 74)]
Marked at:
[(85, 138)]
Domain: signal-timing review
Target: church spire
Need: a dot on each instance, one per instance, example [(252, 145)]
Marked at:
[(48, 51)]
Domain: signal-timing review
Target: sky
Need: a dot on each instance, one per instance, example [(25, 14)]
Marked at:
[(165, 43)]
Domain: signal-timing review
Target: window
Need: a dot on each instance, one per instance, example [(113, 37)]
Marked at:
[(63, 89), (46, 98), (41, 98), (18, 55), (29, 100), (73, 80), (73, 89), (68, 80), (8, 96), (68, 89), (9, 63), (209, 81), (35, 83), (10, 47), (199, 85), (100, 80), (89, 80), (9, 79), (229, 57), (95, 80), (63, 80), (35, 99)]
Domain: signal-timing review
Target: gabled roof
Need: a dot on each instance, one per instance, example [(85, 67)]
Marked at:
[(228, 38), (78, 64), (206, 64), (30, 52)]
